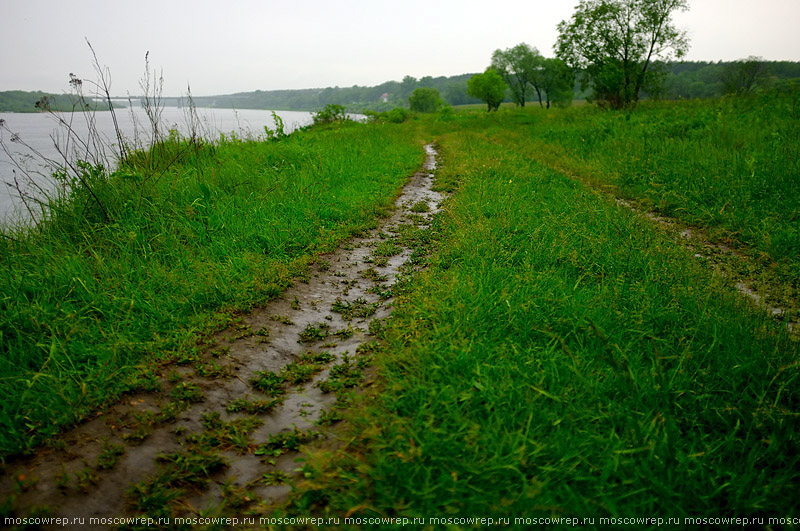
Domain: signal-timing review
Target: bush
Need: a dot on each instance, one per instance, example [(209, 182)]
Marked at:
[(331, 113)]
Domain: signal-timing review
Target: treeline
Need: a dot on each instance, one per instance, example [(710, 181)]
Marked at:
[(381, 97), (682, 80), (23, 101), (698, 79)]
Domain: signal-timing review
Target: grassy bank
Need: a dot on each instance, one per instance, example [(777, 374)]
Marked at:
[(168, 249), (563, 357)]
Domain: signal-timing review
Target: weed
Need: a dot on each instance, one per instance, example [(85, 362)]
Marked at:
[(62, 479), (286, 441), (357, 309), (328, 418), (345, 333), (110, 456), (226, 435), (324, 265), (278, 477), (241, 331), (386, 249), (253, 407), (373, 275), (188, 392), (296, 304), (346, 375), (269, 383), (263, 334), (420, 207), (85, 478), (212, 369), (282, 319), (313, 333)]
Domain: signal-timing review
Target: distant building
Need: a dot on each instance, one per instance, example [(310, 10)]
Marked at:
[(385, 97)]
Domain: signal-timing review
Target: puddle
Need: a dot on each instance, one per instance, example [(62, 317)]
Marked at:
[(208, 416)]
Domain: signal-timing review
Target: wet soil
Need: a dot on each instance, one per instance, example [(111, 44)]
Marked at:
[(222, 432)]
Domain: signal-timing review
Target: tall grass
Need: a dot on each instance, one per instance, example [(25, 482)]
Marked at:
[(102, 287), (562, 357), (731, 165)]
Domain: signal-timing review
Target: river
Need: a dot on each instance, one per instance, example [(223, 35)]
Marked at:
[(40, 131)]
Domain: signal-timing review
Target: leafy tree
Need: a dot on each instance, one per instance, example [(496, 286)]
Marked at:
[(518, 66), (425, 99), (557, 81), (615, 42), (744, 76), (488, 87)]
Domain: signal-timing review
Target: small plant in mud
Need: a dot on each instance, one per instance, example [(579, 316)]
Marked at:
[(241, 331), (282, 319), (386, 249), (313, 332), (324, 265), (62, 479), (188, 392), (357, 309), (212, 369), (377, 327), (140, 432), (146, 381), (223, 435), (420, 207), (86, 477), (110, 456), (253, 407), (373, 275), (278, 477), (416, 219), (287, 441), (343, 376), (296, 304), (345, 333), (268, 383), (381, 292), (262, 334), (328, 418), (236, 497)]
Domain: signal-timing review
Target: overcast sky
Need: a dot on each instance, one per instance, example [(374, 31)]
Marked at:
[(221, 47)]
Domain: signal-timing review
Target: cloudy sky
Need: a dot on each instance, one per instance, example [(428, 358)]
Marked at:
[(220, 47)]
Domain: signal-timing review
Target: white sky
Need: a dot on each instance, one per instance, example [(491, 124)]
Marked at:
[(221, 47)]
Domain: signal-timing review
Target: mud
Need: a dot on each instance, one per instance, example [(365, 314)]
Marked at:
[(91, 470)]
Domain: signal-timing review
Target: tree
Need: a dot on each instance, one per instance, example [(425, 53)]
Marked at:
[(614, 43), (557, 82), (425, 100), (744, 76), (488, 87), (518, 67)]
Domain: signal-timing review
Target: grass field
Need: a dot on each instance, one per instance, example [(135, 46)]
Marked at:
[(561, 355)]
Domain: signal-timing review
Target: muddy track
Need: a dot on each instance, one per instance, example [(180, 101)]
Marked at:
[(746, 273), (220, 431)]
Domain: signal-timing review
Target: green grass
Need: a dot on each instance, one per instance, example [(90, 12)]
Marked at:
[(563, 357), (730, 165), (86, 303)]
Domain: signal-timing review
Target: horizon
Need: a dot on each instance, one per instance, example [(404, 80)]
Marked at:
[(247, 45)]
